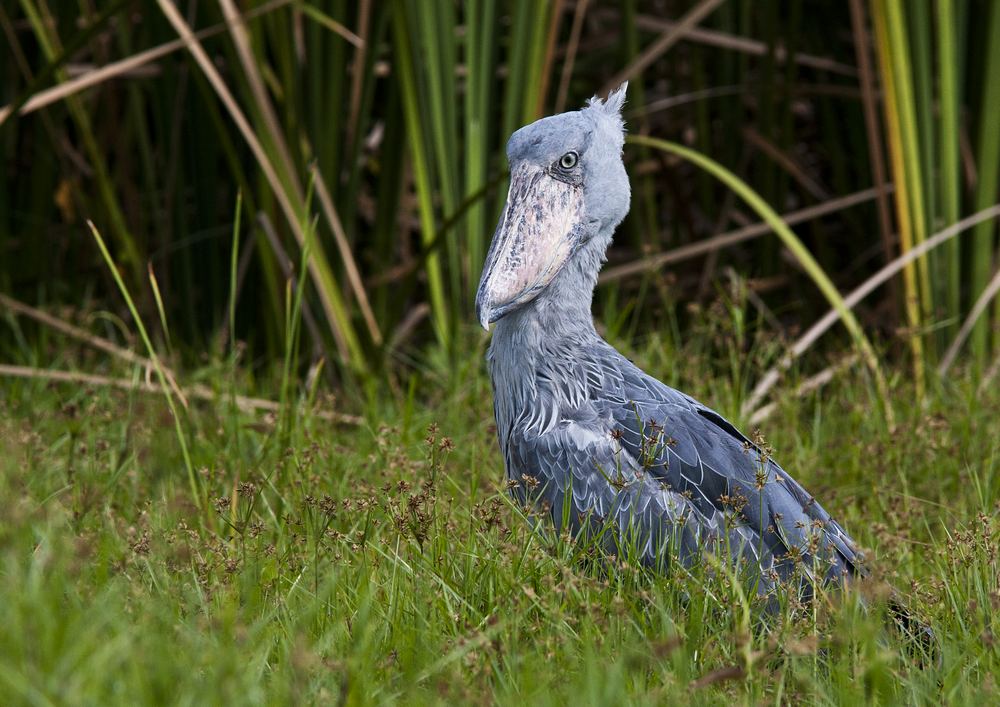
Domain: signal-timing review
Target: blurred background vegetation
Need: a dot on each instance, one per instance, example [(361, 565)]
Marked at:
[(223, 148)]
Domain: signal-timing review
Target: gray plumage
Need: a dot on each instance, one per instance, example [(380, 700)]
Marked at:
[(585, 433)]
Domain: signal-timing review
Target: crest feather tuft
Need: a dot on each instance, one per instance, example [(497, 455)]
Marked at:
[(609, 111)]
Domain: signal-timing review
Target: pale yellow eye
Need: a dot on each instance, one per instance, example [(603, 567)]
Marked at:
[(568, 161)]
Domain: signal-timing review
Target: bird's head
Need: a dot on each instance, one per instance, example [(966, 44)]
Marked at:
[(567, 187)]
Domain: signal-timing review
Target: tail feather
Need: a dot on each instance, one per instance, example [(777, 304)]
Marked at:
[(922, 644)]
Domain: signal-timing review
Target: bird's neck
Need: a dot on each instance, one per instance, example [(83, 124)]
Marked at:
[(558, 319), (541, 340)]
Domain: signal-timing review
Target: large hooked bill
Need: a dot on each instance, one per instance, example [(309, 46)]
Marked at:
[(537, 234)]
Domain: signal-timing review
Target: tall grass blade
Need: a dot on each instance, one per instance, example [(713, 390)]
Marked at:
[(160, 309), (151, 352), (346, 256)]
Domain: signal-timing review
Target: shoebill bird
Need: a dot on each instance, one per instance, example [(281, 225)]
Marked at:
[(587, 436)]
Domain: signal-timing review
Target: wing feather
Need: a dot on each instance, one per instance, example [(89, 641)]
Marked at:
[(704, 455), (621, 448)]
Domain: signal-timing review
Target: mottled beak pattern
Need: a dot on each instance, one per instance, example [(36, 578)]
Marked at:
[(537, 234)]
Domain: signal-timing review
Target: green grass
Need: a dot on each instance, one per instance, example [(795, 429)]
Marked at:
[(384, 564)]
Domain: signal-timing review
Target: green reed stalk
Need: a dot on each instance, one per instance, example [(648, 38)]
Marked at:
[(412, 110), (902, 177), (984, 248), (949, 100)]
